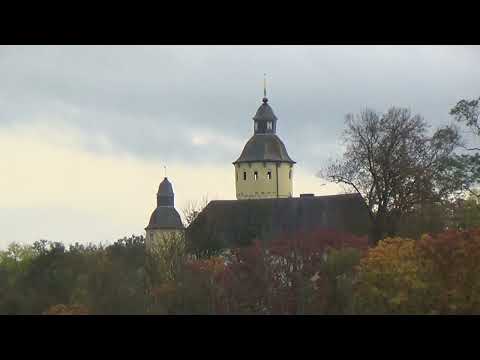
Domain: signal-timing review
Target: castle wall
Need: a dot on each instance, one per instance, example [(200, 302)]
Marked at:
[(263, 187)]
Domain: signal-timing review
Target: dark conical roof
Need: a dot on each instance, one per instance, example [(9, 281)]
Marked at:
[(165, 188), (264, 147), (265, 112), (165, 217)]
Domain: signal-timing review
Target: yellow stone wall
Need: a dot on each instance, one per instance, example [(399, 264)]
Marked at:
[(157, 236), (263, 187)]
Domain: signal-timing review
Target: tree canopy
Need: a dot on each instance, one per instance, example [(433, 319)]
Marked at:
[(394, 164)]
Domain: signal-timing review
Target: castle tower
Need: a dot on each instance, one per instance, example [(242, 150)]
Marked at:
[(264, 169), (165, 220)]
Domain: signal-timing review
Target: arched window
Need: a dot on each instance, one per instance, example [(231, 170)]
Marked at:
[(269, 175), (255, 176), (290, 174), (269, 125), (256, 126), (244, 175)]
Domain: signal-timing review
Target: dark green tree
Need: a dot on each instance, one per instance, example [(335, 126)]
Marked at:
[(466, 166)]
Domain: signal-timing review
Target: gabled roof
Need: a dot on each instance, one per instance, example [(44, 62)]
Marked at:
[(234, 223)]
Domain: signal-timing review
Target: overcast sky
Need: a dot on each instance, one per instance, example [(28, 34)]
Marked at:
[(86, 130)]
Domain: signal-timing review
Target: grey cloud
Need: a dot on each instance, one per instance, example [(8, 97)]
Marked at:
[(146, 100)]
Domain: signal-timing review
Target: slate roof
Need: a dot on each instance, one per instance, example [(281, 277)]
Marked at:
[(234, 223), (165, 188), (165, 217), (264, 147), (265, 112)]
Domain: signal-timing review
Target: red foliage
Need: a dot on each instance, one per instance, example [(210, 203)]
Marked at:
[(438, 274), (452, 269), (282, 276)]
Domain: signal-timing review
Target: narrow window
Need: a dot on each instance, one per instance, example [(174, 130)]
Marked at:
[(255, 176), (290, 174), (256, 126), (244, 175), (269, 125), (269, 175)]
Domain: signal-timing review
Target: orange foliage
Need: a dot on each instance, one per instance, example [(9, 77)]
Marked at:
[(452, 269), (61, 309), (437, 274)]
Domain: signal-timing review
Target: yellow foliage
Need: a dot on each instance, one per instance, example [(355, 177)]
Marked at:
[(438, 274), (389, 276)]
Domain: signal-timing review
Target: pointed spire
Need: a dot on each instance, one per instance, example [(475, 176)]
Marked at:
[(265, 99), (165, 195), (264, 85)]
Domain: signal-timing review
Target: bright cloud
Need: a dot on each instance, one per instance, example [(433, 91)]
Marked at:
[(52, 187)]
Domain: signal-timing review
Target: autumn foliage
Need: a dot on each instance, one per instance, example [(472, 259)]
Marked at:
[(389, 278), (451, 267), (321, 272), (289, 275), (62, 309), (303, 274), (434, 275)]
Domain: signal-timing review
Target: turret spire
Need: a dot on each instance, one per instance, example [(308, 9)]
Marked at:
[(165, 195), (264, 85)]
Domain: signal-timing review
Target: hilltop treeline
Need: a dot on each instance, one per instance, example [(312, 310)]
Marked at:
[(102, 279), (322, 272)]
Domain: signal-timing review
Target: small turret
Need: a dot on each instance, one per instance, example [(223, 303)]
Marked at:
[(165, 196), (165, 216), (265, 121), (165, 220)]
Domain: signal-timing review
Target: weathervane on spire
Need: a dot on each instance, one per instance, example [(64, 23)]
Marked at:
[(265, 88), (165, 170)]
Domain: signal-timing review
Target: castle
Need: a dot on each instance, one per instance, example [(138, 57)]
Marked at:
[(265, 206)]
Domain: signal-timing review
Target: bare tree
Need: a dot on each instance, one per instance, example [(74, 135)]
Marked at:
[(392, 163), (192, 208)]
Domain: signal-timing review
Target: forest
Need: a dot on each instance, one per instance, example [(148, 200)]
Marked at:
[(421, 256)]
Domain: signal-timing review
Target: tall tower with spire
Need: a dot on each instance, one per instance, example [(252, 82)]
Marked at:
[(165, 220), (264, 168)]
